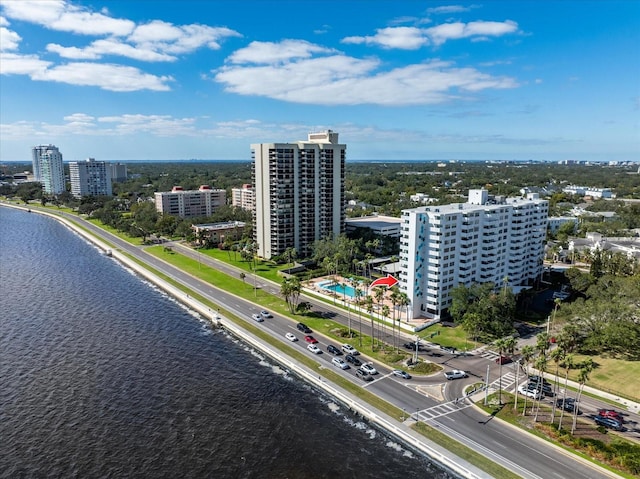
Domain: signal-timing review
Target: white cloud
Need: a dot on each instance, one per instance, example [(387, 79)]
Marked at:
[(160, 125), (270, 52), (456, 30), (100, 48), (342, 80), (450, 9), (79, 118), (166, 37), (9, 40), (405, 38), (15, 64), (61, 15), (106, 76), (412, 38), (152, 42)]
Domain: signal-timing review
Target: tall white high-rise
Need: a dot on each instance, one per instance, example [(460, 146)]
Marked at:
[(487, 239), (299, 193), (48, 168), (90, 178)]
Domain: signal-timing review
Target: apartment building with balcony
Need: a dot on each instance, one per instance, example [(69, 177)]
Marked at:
[(244, 197), (190, 203), (48, 168), (90, 178), (487, 239), (299, 193)]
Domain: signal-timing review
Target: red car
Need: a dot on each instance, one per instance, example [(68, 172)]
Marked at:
[(611, 414), (504, 360), (310, 339)]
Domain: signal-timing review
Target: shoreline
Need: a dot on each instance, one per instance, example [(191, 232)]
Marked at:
[(400, 431)]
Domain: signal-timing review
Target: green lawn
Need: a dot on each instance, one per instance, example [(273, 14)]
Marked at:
[(616, 376), (449, 336)]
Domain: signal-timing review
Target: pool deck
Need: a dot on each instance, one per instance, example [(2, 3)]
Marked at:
[(318, 286)]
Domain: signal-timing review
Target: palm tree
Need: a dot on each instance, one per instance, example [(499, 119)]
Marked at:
[(290, 290), (395, 300), (358, 294), (385, 314), (369, 304), (585, 369), (557, 355), (503, 345), (379, 295), (541, 366), (528, 352), (569, 364)]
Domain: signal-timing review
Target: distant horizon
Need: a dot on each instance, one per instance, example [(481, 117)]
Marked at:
[(348, 160)]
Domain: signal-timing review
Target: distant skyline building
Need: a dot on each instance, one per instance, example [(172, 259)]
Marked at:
[(244, 197), (299, 193), (190, 203), (90, 178), (118, 172), (48, 168), (488, 239)]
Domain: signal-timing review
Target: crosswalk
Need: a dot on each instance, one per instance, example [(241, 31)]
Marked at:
[(444, 409), (508, 382)]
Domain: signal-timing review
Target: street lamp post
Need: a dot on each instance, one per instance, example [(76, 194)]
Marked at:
[(486, 386)]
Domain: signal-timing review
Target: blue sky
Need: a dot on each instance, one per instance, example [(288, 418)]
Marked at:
[(398, 80)]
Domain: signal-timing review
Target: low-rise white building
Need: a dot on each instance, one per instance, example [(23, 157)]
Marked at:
[(244, 197), (190, 203), (555, 222), (378, 224), (588, 191), (486, 239)]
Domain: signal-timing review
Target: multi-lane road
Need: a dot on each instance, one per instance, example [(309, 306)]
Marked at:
[(434, 400)]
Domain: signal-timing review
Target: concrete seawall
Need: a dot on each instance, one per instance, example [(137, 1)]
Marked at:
[(399, 430)]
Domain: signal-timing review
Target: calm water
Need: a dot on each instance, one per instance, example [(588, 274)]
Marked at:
[(102, 375)]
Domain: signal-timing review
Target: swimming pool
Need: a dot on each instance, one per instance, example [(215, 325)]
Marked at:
[(339, 289)]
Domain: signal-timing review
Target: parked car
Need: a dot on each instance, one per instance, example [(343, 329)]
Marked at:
[(304, 328), (568, 404), (362, 374), (532, 393), (348, 349), (544, 388), (613, 414), (291, 337), (455, 374), (257, 317), (353, 360), (310, 339), (333, 350), (402, 374), (314, 349), (367, 367), (266, 314), (608, 422), (339, 362), (535, 379)]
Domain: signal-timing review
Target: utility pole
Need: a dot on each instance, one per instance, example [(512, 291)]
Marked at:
[(486, 390), (515, 406)]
